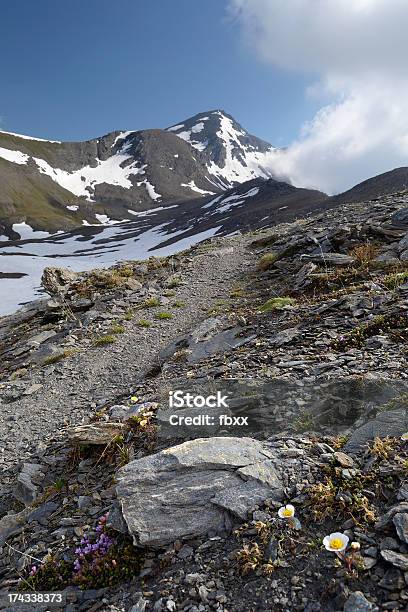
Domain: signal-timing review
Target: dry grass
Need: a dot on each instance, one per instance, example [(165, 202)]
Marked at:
[(364, 253)]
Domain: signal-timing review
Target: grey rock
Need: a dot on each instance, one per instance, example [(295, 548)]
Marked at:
[(123, 412), (392, 580), (400, 218), (286, 336), (397, 559), (271, 551), (343, 459), (302, 278), (33, 389), (400, 521), (41, 514), (57, 280), (369, 562), (11, 524), (26, 490), (392, 423), (218, 344), (403, 243), (193, 489), (386, 518), (389, 543), (357, 602), (140, 605), (41, 337), (84, 501), (95, 433), (332, 259)]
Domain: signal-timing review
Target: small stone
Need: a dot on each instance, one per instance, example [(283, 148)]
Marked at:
[(41, 514), (185, 552), (271, 551), (203, 593), (357, 602), (33, 389), (397, 559), (389, 544), (26, 491), (84, 501), (400, 521), (344, 460), (140, 605), (96, 433), (369, 562), (11, 524), (392, 580)]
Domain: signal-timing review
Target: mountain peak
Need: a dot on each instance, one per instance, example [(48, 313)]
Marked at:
[(233, 155)]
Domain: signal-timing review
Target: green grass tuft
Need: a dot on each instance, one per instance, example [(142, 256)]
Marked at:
[(163, 315), (59, 357), (267, 261), (144, 323), (117, 329), (277, 304), (107, 339)]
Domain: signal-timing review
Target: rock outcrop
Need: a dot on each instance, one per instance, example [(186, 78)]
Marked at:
[(195, 488)]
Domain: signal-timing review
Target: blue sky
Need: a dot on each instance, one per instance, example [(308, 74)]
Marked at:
[(77, 69)]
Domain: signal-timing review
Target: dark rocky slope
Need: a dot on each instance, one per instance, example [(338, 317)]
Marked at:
[(375, 187), (309, 319)]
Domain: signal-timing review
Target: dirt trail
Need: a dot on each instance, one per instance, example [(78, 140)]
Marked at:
[(96, 375)]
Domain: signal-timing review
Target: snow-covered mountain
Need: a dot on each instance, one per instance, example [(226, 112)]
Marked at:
[(53, 185), (161, 230), (232, 155)]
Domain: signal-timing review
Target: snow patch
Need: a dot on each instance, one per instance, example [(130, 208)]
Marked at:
[(29, 137), (74, 208), (146, 213), (175, 127), (151, 190), (121, 136), (14, 156), (77, 252), (26, 231), (231, 201), (191, 185), (105, 220), (83, 181)]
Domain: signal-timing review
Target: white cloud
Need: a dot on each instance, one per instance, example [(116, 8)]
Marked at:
[(354, 51)]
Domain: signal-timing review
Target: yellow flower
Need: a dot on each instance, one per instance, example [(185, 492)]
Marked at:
[(134, 399), (286, 512), (404, 436), (336, 542)]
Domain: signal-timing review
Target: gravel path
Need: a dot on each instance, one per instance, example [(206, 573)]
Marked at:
[(73, 388)]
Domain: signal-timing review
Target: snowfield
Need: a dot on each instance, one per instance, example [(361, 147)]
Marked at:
[(22, 262)]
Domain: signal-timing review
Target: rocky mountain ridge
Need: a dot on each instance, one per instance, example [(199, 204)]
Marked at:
[(57, 185)]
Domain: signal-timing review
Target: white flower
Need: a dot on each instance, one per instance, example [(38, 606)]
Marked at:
[(336, 542), (355, 545), (404, 436), (286, 512)]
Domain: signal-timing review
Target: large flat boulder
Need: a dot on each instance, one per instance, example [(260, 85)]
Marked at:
[(195, 488)]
